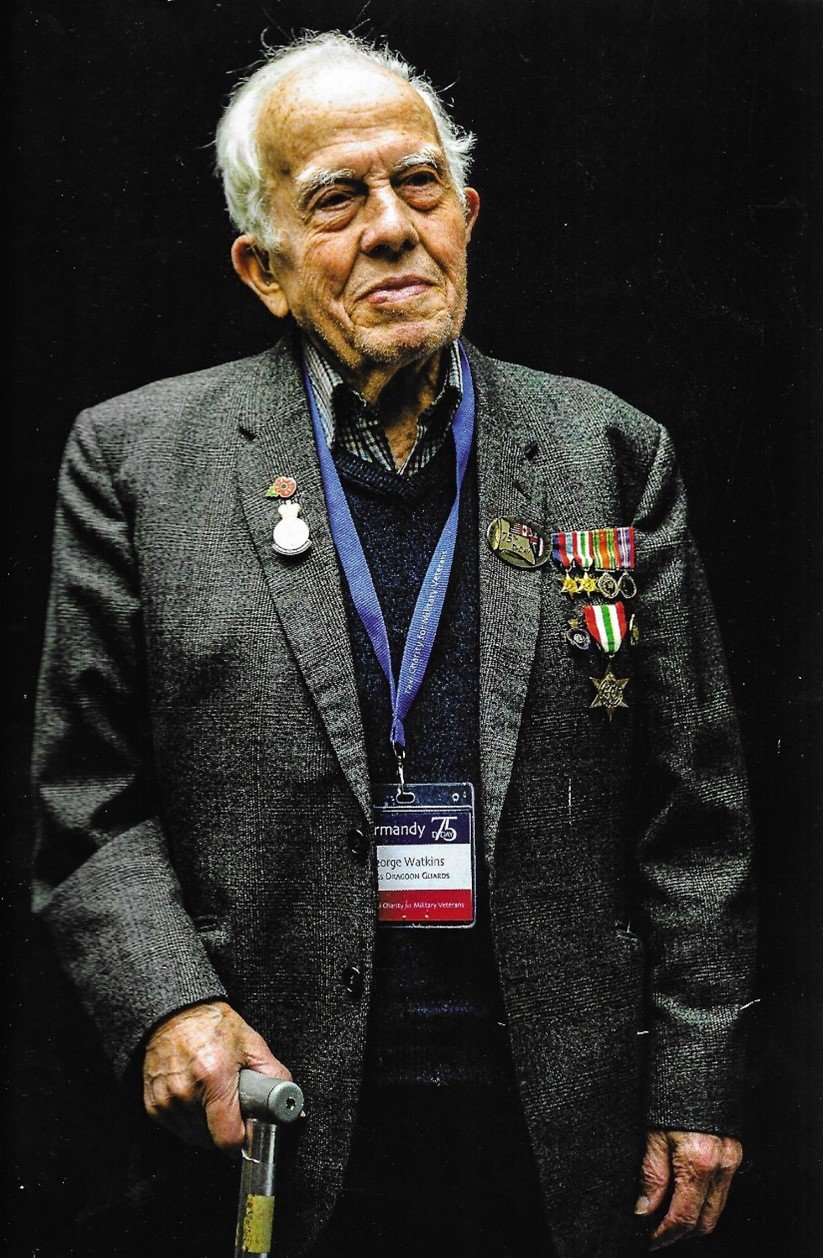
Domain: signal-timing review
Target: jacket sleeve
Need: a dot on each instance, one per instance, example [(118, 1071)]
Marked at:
[(693, 846), (103, 882)]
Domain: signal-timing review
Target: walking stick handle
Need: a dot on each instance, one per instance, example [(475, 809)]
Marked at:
[(273, 1100)]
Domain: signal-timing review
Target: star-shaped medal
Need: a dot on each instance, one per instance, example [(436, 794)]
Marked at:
[(586, 584), (569, 585), (609, 692)]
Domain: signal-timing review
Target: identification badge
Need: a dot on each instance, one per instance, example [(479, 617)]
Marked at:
[(425, 854)]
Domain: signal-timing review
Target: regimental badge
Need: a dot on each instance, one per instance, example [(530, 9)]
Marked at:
[(578, 637), (291, 534), (517, 542)]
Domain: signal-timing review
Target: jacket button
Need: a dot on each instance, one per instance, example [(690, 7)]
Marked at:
[(358, 843), (353, 981)]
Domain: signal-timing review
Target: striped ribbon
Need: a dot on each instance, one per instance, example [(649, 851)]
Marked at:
[(601, 548), (607, 624)]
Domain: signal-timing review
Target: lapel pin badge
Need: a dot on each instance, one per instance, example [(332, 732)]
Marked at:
[(291, 533), (282, 487), (517, 542)]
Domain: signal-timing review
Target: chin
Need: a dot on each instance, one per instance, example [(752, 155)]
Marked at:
[(405, 342)]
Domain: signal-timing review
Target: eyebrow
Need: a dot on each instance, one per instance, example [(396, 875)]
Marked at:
[(326, 177), (428, 156)]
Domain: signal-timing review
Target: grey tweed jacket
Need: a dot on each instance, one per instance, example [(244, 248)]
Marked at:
[(201, 762)]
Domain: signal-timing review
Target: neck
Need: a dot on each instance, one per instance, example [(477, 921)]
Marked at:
[(403, 399), (399, 395)]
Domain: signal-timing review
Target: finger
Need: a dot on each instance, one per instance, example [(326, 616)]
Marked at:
[(655, 1173), (205, 1116), (718, 1192), (183, 1119), (225, 1122), (693, 1177)]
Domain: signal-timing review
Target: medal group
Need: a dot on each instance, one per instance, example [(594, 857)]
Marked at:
[(592, 562), (609, 553)]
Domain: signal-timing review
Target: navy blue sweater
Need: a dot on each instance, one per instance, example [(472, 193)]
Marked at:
[(436, 1013)]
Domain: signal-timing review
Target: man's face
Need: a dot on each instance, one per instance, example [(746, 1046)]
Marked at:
[(372, 255)]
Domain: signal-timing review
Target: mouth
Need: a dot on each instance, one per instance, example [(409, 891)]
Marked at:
[(398, 288)]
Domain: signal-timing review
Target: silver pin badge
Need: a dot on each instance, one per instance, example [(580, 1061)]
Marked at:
[(291, 533)]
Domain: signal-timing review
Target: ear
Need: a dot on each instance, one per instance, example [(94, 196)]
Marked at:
[(472, 202), (252, 263)]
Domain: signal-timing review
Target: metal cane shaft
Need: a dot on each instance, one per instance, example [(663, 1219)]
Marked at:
[(265, 1104), (255, 1213)]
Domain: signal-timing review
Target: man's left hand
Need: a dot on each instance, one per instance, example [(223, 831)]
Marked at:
[(695, 1171)]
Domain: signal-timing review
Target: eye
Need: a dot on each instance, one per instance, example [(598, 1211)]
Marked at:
[(422, 180), (422, 187), (334, 199)]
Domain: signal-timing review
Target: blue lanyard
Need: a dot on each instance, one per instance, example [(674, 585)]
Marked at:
[(426, 615)]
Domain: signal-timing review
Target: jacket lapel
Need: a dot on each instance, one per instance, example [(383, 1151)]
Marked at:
[(521, 473), (276, 438)]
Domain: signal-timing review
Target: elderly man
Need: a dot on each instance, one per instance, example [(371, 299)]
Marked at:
[(385, 736)]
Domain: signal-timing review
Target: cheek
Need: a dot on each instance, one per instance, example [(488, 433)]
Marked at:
[(447, 247), (326, 267)]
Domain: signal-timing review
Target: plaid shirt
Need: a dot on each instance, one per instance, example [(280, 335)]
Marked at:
[(348, 419)]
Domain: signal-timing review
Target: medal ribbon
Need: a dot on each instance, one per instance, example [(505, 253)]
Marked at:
[(614, 548), (607, 624), (605, 548), (426, 615)]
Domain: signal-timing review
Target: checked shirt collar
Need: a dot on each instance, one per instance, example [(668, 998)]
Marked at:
[(349, 421)]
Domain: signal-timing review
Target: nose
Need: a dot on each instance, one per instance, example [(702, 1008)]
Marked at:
[(390, 223)]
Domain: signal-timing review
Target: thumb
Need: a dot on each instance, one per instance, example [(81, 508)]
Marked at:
[(655, 1173)]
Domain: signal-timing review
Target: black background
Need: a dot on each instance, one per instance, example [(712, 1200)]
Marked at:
[(650, 175)]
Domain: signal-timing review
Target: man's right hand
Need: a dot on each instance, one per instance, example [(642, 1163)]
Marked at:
[(191, 1069)]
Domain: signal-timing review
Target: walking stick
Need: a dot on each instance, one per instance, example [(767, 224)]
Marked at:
[(266, 1104)]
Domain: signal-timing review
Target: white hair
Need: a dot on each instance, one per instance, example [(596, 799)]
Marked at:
[(238, 155)]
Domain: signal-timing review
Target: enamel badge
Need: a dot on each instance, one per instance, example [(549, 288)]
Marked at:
[(282, 487), (517, 542), (291, 533)]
